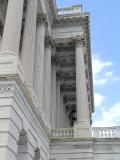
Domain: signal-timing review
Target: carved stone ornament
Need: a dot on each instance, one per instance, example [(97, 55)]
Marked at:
[(49, 42), (79, 40), (42, 19), (6, 88)]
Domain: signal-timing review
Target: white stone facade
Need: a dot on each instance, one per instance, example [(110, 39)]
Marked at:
[(46, 92)]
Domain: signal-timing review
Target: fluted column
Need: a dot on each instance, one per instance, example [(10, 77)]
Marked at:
[(82, 127), (53, 92), (12, 28), (58, 111), (28, 46), (39, 58), (49, 44)]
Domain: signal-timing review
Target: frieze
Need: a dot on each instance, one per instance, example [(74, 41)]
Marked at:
[(69, 146), (6, 88), (67, 22)]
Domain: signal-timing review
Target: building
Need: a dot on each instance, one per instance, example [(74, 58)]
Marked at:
[(46, 92)]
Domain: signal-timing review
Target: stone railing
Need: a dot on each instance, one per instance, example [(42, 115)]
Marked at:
[(70, 10), (97, 132), (106, 132), (62, 133)]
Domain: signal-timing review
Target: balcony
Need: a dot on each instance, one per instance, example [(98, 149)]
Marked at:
[(97, 132)]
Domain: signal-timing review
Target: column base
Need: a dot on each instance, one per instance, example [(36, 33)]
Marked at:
[(82, 129)]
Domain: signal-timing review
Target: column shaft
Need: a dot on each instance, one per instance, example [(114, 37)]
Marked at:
[(58, 111), (47, 77), (12, 28), (81, 89), (39, 59), (28, 46), (82, 127), (53, 96)]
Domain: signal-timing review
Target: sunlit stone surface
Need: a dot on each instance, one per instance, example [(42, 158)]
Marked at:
[(46, 91)]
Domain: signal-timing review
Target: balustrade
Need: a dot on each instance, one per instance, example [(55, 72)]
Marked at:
[(106, 132), (97, 132), (62, 133)]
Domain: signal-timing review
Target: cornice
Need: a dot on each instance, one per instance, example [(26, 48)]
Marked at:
[(68, 21)]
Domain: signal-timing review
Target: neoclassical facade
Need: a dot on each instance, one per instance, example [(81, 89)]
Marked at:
[(46, 88)]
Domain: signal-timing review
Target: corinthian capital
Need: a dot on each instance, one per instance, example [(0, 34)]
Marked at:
[(49, 42), (42, 19), (79, 39)]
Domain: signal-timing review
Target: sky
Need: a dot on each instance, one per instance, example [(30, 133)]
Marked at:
[(105, 44)]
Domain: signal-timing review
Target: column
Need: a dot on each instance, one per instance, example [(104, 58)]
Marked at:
[(82, 127), (53, 93), (58, 110), (12, 28), (39, 58), (49, 44), (28, 45)]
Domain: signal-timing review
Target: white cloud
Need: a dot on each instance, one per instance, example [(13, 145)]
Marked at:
[(110, 117), (98, 64), (101, 72), (99, 99)]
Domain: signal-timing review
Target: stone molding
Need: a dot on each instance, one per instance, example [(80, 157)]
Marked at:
[(70, 146), (49, 42), (42, 19), (6, 88), (68, 21), (11, 89)]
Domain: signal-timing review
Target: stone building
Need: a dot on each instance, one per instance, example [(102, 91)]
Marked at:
[(46, 90)]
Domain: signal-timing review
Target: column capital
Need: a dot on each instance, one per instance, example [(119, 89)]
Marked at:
[(79, 40), (49, 42), (42, 19)]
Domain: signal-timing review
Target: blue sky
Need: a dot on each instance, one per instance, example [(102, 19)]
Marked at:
[(105, 43)]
